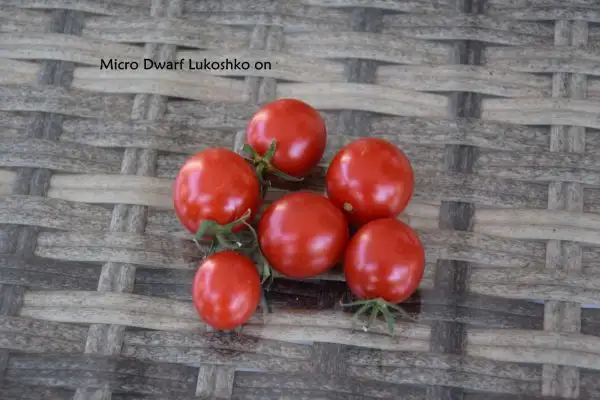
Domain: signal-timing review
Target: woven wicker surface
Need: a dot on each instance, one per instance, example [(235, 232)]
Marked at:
[(497, 103)]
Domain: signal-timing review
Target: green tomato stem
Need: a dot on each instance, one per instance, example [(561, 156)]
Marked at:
[(263, 164), (250, 152), (224, 236), (260, 172), (266, 271), (227, 244), (377, 306), (274, 171), (264, 303), (270, 153), (364, 308)]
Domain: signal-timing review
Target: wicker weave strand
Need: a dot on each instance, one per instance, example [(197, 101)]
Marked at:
[(496, 103)]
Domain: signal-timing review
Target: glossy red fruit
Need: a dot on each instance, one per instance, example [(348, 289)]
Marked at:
[(302, 234), (384, 259), (298, 130), (226, 290), (370, 179), (215, 184)]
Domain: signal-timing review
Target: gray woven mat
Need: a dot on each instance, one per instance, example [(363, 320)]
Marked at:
[(497, 103)]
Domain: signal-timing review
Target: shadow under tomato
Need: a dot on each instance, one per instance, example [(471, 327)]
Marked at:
[(306, 294)]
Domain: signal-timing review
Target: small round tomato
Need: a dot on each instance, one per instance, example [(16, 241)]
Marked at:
[(370, 179), (384, 259), (302, 234), (298, 131), (215, 184), (226, 290)]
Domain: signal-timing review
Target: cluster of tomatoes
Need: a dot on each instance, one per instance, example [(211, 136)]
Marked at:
[(218, 194)]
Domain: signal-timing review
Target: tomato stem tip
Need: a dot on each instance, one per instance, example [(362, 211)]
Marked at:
[(260, 171), (266, 271), (270, 153), (376, 306), (263, 163), (250, 152), (348, 207)]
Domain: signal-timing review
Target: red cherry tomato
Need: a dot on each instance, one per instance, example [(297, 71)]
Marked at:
[(215, 184), (302, 234), (370, 179), (299, 132), (226, 290), (384, 259)]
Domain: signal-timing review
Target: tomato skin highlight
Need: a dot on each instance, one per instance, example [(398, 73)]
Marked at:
[(384, 259), (302, 234), (298, 130), (373, 177), (215, 184), (226, 290)]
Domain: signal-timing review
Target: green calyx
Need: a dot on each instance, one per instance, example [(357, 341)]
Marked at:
[(224, 236), (263, 163), (226, 239), (266, 271), (376, 306)]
